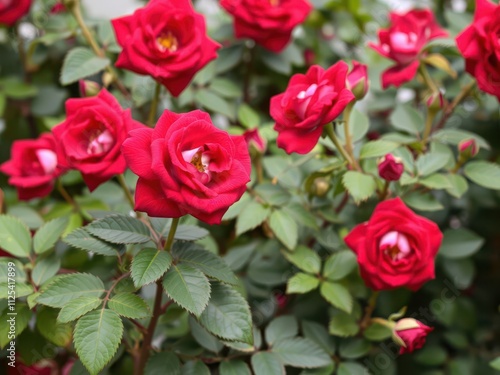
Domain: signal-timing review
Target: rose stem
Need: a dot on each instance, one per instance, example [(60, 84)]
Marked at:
[(431, 115), (127, 192), (154, 105), (372, 302), (331, 133), (428, 79), (348, 138), (68, 198), (451, 107), (157, 309)]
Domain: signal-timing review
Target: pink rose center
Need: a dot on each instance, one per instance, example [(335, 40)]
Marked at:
[(200, 161), (403, 41), (395, 245), (167, 42), (275, 3), (101, 143), (47, 159), (304, 97)]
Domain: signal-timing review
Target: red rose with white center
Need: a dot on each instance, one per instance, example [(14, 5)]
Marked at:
[(13, 10), (167, 40), (310, 101), (480, 45), (396, 247), (403, 42), (33, 167), (268, 22), (187, 166), (90, 139)]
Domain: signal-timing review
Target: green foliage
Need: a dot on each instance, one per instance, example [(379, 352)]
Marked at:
[(80, 63), (285, 228), (120, 230), (149, 265), (81, 239), (129, 305), (78, 307), (15, 236), (46, 237)]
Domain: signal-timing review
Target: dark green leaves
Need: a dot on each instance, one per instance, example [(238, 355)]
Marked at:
[(301, 352), (120, 229), (46, 237), (129, 305), (359, 185), (149, 265), (285, 228), (79, 63), (83, 240), (460, 243)]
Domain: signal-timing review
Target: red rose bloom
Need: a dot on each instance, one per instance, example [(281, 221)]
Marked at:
[(396, 247), (310, 101), (268, 22), (12, 10), (403, 42), (166, 40), (187, 166), (33, 167), (480, 45), (410, 334), (91, 137)]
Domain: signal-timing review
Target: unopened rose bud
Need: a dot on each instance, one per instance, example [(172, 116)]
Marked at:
[(468, 148), (309, 57), (320, 187), (390, 168), (410, 334), (357, 80), (435, 101), (58, 8), (88, 88), (255, 141)]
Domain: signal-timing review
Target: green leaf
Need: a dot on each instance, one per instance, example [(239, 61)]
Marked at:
[(351, 368), (5, 269), (339, 265), (455, 136), (188, 287), (161, 361), (407, 119), (22, 290), (359, 124), (247, 116), (274, 195), (337, 295), (69, 287), (15, 236), (359, 185), (301, 283), (204, 338), (56, 332), (354, 348), (97, 337), (21, 322), (149, 265), (265, 363), (129, 305), (228, 315), (45, 268), (495, 363), (46, 237), (207, 262), (251, 217), (120, 229), (304, 258), (460, 271), (431, 162), (15, 88), (78, 307), (423, 202), (436, 181), (458, 185), (431, 355), (194, 368), (280, 328), (377, 332), (483, 173), (460, 243), (80, 63), (285, 228), (234, 367), (226, 88), (190, 233), (211, 101), (319, 334), (301, 352), (343, 325), (378, 148), (81, 239)]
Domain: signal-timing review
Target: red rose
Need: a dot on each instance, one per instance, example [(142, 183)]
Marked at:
[(268, 22), (357, 80), (480, 45), (403, 42), (410, 334), (310, 101), (187, 166), (396, 247), (255, 141), (390, 168), (33, 167), (90, 139), (166, 40), (12, 10)]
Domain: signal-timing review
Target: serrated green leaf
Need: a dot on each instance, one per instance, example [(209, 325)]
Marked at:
[(431, 162), (45, 268), (80, 63), (207, 262), (304, 258), (407, 119), (458, 185), (319, 334), (280, 328), (22, 290), (359, 185), (20, 276), (343, 325), (78, 307), (190, 233), (285, 228), (120, 229), (265, 363), (149, 265), (460, 243), (83, 240), (21, 322), (54, 331), (337, 295), (204, 338), (251, 217), (227, 315), (14, 236), (378, 148), (129, 305), (69, 287), (339, 265), (188, 287), (234, 367), (354, 348), (46, 237), (195, 368), (97, 336), (483, 173), (301, 352), (301, 283), (159, 362)]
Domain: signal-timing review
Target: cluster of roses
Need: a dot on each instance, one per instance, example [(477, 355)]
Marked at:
[(187, 166)]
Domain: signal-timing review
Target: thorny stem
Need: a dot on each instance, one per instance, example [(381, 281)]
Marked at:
[(154, 105), (451, 107), (331, 133), (372, 302)]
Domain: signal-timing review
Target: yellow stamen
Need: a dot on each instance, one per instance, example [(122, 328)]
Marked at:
[(167, 42), (196, 161)]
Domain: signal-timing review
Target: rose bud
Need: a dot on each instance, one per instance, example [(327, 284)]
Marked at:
[(435, 101), (468, 148), (255, 142), (390, 168), (309, 57), (320, 187), (88, 88), (58, 8), (410, 334), (357, 80)]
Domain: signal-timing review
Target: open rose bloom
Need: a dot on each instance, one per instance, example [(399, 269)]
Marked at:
[(12, 10)]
